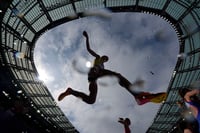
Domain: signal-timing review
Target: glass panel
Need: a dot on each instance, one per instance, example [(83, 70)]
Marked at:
[(34, 13), (196, 12), (62, 12), (81, 6), (196, 40), (29, 35), (175, 10), (55, 3), (187, 47), (189, 23), (7, 16), (114, 3), (40, 23), (157, 4), (25, 6)]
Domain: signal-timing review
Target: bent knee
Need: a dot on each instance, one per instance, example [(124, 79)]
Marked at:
[(91, 101)]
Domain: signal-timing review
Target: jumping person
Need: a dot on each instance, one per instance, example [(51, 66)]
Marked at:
[(95, 72), (126, 122), (98, 71)]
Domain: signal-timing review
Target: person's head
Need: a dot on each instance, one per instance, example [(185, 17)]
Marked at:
[(183, 91), (189, 126), (127, 121), (105, 58)]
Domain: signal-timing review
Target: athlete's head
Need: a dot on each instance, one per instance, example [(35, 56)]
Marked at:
[(105, 58)]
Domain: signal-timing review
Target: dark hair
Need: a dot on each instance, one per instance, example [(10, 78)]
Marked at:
[(127, 120), (106, 58), (192, 125), (183, 91)]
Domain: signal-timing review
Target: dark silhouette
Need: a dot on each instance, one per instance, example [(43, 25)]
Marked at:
[(95, 72), (126, 122), (98, 71)]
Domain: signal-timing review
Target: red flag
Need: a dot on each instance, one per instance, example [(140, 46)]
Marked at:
[(145, 97)]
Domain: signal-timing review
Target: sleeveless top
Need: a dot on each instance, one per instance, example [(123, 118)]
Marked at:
[(94, 71), (98, 62)]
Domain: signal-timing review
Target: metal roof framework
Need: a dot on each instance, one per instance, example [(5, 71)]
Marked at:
[(24, 21)]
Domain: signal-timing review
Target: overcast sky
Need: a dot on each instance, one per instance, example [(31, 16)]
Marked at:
[(137, 44)]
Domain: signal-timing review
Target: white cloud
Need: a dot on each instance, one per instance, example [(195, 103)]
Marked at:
[(134, 47)]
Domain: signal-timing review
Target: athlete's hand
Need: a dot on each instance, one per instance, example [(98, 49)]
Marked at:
[(121, 120)]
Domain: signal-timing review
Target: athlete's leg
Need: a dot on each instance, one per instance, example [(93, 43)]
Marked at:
[(90, 99), (106, 72), (96, 73), (93, 88), (64, 94), (122, 80)]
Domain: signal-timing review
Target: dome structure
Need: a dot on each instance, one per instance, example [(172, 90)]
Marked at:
[(24, 21)]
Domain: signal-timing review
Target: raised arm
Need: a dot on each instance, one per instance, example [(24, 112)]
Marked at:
[(88, 45), (126, 122), (191, 93)]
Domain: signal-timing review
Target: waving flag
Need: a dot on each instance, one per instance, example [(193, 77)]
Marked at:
[(145, 97)]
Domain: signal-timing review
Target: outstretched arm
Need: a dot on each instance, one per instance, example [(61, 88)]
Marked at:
[(191, 93), (88, 45)]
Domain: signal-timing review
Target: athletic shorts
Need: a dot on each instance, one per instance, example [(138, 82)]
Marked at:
[(93, 74)]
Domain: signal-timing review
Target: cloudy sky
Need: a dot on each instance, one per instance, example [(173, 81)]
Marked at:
[(137, 44)]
